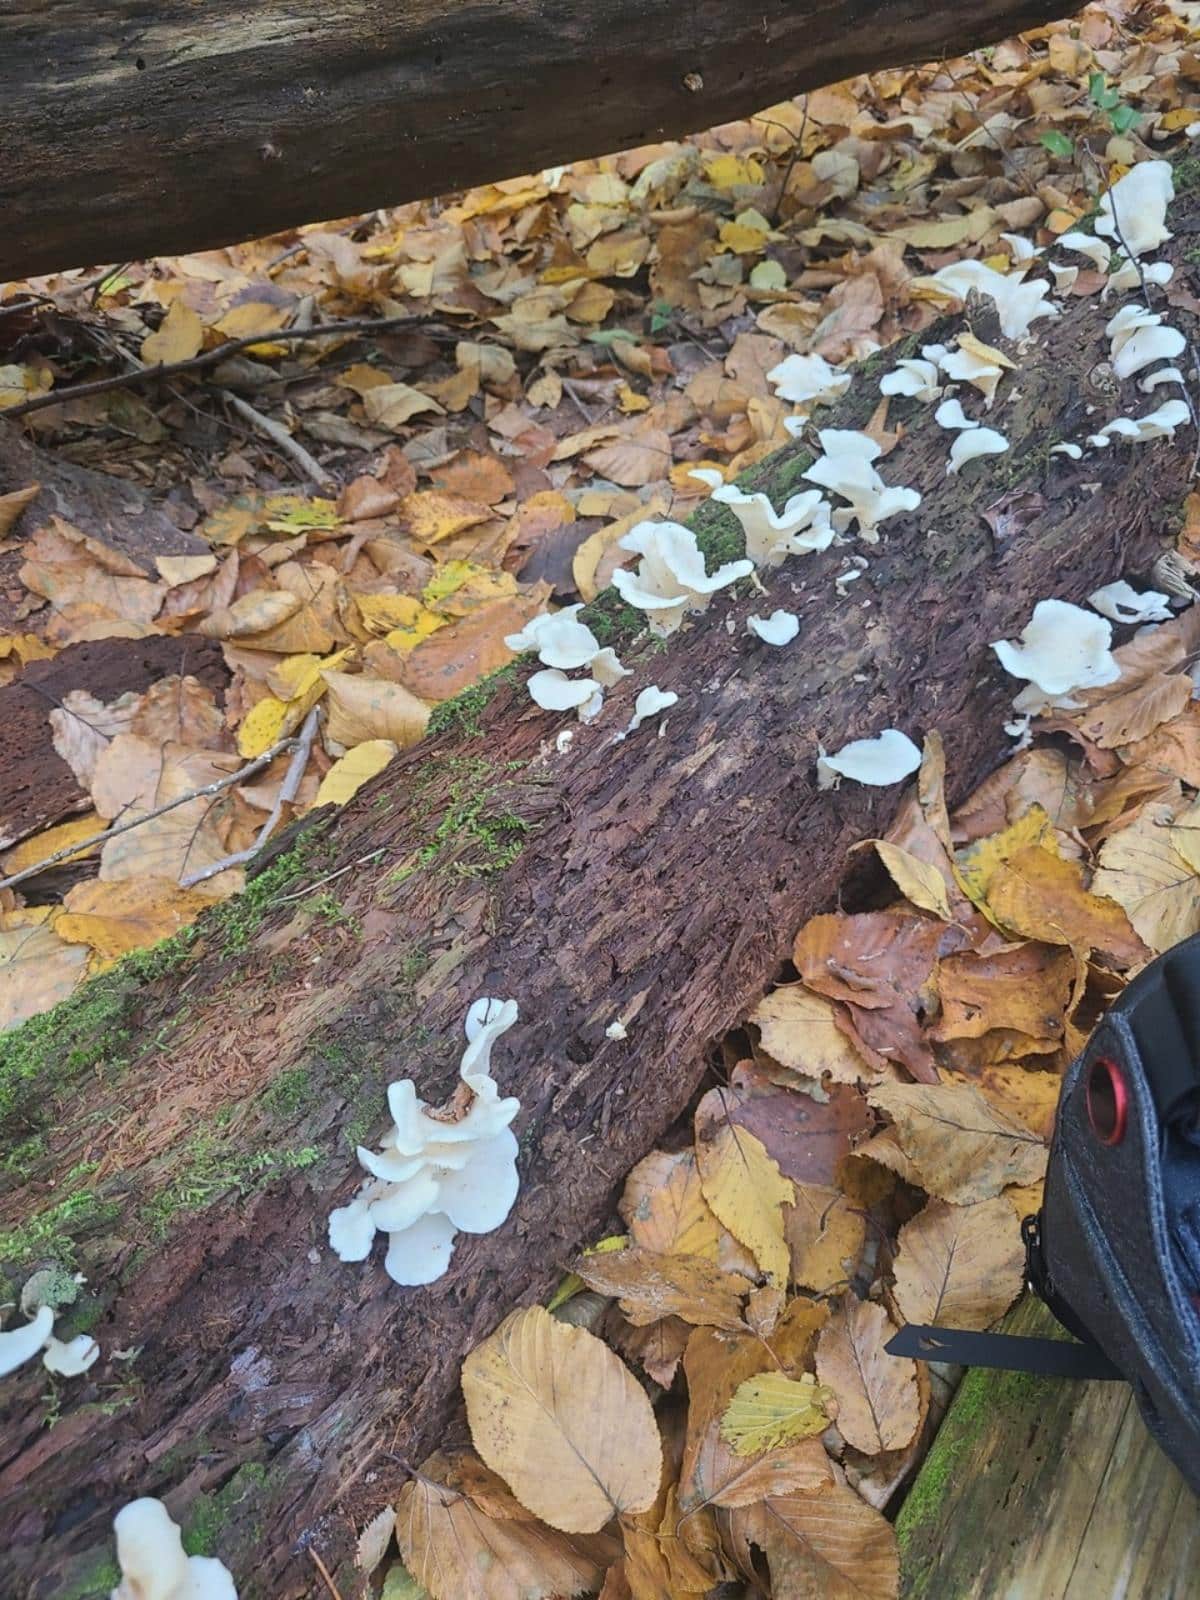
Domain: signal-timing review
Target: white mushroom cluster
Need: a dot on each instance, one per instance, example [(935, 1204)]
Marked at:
[(1139, 339), (846, 468), (1133, 212), (671, 579), (1019, 301), (1062, 648), (780, 628), (564, 644), (439, 1171), (41, 1298), (153, 1563), (808, 380), (1122, 603), (771, 536), (1159, 424)]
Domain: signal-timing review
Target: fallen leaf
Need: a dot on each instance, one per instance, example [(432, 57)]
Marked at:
[(37, 968), (745, 1190), (432, 515), (1022, 987), (772, 1410), (962, 1149), (649, 1286), (825, 1234), (1135, 715), (563, 1421), (635, 459), (959, 1266), (1142, 870), (825, 1546), (348, 774), (1040, 896), (878, 1407), (916, 880), (114, 918), (363, 709), (664, 1208), (82, 727), (391, 405), (799, 1030), (179, 337), (465, 1537), (31, 852), (13, 505)]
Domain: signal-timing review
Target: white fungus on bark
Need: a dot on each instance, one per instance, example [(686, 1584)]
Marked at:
[(916, 380), (1159, 424), (975, 442), (950, 415), (154, 1564), (1133, 212), (651, 702), (771, 536), (1139, 338), (981, 365), (847, 469), (671, 579), (888, 758), (807, 380), (1062, 648), (1121, 602), (780, 628), (1067, 448), (438, 1172), (563, 643), (1019, 303), (19, 1345), (1086, 244)]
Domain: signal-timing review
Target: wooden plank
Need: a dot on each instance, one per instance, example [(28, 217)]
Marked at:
[(132, 129), (1046, 1489)]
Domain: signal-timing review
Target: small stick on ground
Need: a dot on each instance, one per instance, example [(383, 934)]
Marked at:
[(281, 438)]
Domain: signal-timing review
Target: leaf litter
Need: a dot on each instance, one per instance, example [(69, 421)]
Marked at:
[(579, 341)]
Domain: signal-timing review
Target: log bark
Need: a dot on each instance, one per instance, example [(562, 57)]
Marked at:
[(190, 1119), (1046, 1487), (131, 130)]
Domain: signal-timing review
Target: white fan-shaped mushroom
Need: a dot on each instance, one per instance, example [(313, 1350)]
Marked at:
[(975, 442), (1064, 277), (950, 415), (1159, 424), (1086, 244), (420, 1254), (1133, 211), (670, 579), (554, 691), (70, 1358), (916, 380), (1019, 303), (153, 1563), (650, 703), (19, 1345), (1067, 449), (1164, 375), (803, 524), (1122, 603), (807, 380), (888, 758), (847, 469), (780, 628), (1131, 274), (1062, 647)]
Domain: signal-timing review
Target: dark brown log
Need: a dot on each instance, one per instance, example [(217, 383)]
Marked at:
[(191, 1119), (130, 130)]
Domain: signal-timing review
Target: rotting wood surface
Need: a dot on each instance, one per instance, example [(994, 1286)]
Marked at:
[(658, 881), (131, 130)]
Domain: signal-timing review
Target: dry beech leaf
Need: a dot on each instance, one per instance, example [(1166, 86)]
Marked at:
[(878, 1406), (1135, 714), (1041, 896), (33, 851), (82, 726), (826, 1546), (918, 881), (13, 504), (772, 1409), (657, 1349), (1143, 870), (745, 1189), (799, 1030), (962, 1149), (179, 337), (363, 709), (825, 1234), (37, 968), (114, 918), (563, 1421), (464, 1537), (712, 1473), (959, 1266), (649, 1286), (664, 1208), (179, 711), (1024, 987)]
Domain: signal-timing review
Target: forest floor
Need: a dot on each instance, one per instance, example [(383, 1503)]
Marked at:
[(398, 438)]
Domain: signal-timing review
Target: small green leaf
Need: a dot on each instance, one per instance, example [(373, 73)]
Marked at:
[(1123, 118), (772, 1409), (1057, 143), (1100, 93), (609, 336)]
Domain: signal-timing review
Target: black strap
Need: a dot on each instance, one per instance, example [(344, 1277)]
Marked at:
[(1051, 1358)]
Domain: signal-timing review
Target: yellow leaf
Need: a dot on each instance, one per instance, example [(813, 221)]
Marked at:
[(772, 1409), (630, 401), (664, 1207), (960, 1266), (30, 851), (347, 775), (746, 1190), (13, 504), (1178, 117), (400, 617), (37, 968), (916, 880), (727, 171), (362, 708), (178, 338), (1147, 868), (985, 352), (18, 384), (799, 1031), (949, 233), (962, 1149), (878, 1406), (433, 515), (650, 1286), (362, 378), (391, 405), (114, 918), (563, 1421), (251, 317), (978, 864), (26, 647), (1039, 895)]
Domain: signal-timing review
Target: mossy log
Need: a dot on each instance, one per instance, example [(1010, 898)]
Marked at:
[(131, 130), (183, 1128), (1049, 1488)]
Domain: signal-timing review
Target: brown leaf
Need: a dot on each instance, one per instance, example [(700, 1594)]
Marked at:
[(1174, 748), (664, 1208), (1135, 714), (465, 650), (959, 1266), (649, 1286), (179, 711), (962, 1149), (114, 918), (1144, 869), (474, 475), (658, 1349), (825, 1236), (640, 456), (712, 1474), (1022, 987), (82, 727), (743, 1186), (37, 968), (824, 1546), (878, 1405), (362, 708), (559, 1416), (68, 567), (1038, 895), (13, 504), (464, 1537)]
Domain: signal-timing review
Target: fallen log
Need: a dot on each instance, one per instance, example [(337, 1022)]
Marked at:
[(131, 131), (188, 1121)]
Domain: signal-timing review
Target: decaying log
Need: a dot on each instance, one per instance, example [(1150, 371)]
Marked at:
[(130, 130), (190, 1121)]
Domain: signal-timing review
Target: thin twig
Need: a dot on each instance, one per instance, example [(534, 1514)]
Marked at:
[(324, 1571), (280, 437), (338, 872), (797, 147), (80, 845), (287, 793), (210, 358)]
